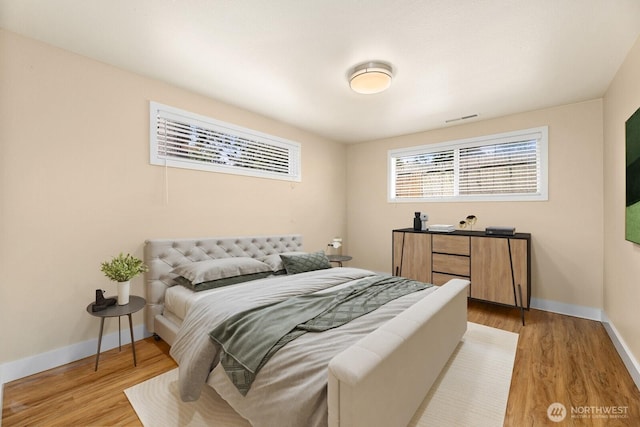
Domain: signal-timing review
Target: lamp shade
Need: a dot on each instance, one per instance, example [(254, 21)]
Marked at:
[(371, 77)]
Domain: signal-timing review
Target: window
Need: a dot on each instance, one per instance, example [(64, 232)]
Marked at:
[(508, 166), (186, 140)]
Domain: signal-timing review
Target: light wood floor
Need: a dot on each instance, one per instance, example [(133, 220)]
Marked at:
[(559, 359)]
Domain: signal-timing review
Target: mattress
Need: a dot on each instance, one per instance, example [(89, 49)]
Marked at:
[(178, 300), (295, 378)]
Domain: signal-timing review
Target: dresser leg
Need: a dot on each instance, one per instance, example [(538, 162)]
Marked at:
[(521, 303)]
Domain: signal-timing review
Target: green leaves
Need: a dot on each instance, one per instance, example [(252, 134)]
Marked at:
[(123, 267)]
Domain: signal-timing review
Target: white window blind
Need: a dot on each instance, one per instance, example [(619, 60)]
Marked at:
[(424, 175), (510, 166), (187, 140)]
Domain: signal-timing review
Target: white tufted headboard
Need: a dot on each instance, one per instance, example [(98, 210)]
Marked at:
[(163, 255)]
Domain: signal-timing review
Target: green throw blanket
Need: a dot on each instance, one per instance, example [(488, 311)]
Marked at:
[(250, 338)]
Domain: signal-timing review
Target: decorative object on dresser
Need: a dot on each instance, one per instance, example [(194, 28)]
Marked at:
[(420, 221), (500, 230), (498, 266), (441, 228), (122, 269), (470, 220), (417, 225)]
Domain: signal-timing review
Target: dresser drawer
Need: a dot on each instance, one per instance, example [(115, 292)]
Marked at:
[(456, 245), (440, 279), (451, 264)]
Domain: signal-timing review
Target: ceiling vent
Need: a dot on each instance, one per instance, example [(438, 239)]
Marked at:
[(471, 116)]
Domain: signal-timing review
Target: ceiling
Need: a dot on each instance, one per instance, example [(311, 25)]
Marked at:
[(289, 59)]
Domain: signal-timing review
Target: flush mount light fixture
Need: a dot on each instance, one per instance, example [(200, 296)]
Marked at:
[(370, 77)]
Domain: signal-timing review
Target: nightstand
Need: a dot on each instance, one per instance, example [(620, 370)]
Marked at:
[(339, 259), (136, 303)]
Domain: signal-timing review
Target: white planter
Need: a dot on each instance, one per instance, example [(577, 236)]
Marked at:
[(123, 292)]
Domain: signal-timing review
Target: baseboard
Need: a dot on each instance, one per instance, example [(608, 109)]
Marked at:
[(567, 309), (627, 357), (1, 395), (12, 371)]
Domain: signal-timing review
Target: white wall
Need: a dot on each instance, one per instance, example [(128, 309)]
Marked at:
[(566, 230), (621, 258), (76, 188)]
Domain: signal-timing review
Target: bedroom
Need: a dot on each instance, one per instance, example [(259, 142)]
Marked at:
[(75, 192)]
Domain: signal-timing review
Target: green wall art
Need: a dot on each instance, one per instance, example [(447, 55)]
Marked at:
[(632, 224)]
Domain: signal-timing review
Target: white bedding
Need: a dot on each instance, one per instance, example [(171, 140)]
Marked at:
[(291, 389), (178, 300)]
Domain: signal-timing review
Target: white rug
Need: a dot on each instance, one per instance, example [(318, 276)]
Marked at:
[(473, 387), (472, 390)]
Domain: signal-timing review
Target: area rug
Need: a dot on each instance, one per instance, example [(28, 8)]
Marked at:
[(473, 387), (472, 390)]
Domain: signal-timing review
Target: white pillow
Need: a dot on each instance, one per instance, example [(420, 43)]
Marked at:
[(214, 269), (275, 262)]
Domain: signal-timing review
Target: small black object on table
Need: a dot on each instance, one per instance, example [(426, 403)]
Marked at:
[(136, 303), (339, 259)]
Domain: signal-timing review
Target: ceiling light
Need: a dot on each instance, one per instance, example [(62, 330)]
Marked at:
[(370, 77)]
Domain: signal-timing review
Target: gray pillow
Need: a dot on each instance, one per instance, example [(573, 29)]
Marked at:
[(300, 263), (220, 282), (275, 262), (215, 269)]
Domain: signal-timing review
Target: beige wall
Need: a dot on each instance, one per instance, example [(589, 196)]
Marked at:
[(621, 258), (566, 230), (77, 188)]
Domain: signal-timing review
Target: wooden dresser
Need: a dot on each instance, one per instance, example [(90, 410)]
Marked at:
[(498, 267)]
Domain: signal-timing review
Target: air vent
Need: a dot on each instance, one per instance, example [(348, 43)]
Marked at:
[(471, 116)]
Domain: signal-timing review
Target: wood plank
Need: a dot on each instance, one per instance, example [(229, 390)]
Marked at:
[(75, 395), (559, 359)]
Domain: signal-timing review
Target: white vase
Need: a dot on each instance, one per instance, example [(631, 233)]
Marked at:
[(123, 292)]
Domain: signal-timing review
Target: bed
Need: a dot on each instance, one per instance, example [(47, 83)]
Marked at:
[(373, 370)]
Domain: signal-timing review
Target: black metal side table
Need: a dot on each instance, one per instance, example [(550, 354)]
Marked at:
[(339, 259), (136, 303)]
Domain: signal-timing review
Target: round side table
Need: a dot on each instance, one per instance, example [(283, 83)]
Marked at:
[(136, 303), (339, 259)]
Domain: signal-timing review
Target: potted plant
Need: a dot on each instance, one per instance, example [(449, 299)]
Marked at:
[(122, 269)]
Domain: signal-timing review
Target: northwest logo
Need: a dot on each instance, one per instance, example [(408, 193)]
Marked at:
[(556, 412)]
